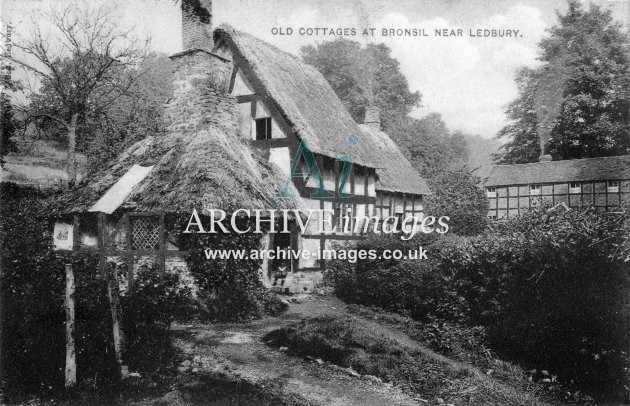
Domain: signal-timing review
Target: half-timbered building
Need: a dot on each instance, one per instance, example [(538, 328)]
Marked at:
[(603, 183), (240, 110)]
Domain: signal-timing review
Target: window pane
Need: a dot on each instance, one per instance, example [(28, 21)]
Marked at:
[(263, 128), (260, 130)]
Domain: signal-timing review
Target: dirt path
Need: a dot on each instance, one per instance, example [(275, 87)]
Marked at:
[(237, 351)]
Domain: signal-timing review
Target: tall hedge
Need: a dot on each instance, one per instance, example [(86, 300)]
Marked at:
[(549, 288), (552, 289), (229, 289), (33, 289)]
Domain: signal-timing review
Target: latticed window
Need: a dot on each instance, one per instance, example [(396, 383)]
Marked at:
[(145, 233)]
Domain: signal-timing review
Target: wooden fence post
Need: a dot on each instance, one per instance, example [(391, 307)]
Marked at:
[(71, 362), (114, 304), (1, 335)]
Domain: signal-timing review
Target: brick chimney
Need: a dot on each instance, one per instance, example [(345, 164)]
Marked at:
[(197, 24), (373, 117)]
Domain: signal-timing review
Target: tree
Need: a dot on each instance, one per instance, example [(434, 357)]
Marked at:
[(523, 144), (430, 145), (455, 194), (370, 76), (364, 76), (585, 82), (595, 116), (132, 117), (87, 65), (7, 127), (7, 122), (441, 156)]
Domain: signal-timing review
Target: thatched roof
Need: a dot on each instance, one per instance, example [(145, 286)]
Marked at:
[(395, 173), (210, 164), (301, 94), (573, 170)]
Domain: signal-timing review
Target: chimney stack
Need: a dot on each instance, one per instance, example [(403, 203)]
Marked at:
[(200, 78), (373, 117), (197, 24)]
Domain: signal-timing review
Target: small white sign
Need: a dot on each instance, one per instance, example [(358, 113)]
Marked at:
[(63, 236)]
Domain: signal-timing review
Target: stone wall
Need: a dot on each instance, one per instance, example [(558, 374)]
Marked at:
[(200, 92)]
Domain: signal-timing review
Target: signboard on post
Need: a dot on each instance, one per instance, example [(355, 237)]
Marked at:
[(63, 237)]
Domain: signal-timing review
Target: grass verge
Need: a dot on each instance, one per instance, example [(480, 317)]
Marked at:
[(371, 348)]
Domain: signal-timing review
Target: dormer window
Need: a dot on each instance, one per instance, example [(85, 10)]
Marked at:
[(491, 191), (263, 128), (575, 187), (613, 186), (534, 190)]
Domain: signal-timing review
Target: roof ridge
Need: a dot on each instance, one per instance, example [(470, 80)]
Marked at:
[(229, 29), (566, 160)]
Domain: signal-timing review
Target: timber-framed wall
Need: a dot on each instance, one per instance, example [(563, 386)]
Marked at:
[(509, 201)]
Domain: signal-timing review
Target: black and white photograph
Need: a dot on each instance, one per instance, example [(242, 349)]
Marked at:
[(313, 203)]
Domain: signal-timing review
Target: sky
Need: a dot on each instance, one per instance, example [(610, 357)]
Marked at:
[(467, 79)]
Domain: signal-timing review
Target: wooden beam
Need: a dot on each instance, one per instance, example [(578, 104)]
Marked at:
[(2, 389), (248, 98), (114, 305), (162, 248), (142, 253), (145, 214), (76, 238), (100, 237), (233, 78), (71, 354), (271, 143), (126, 224), (293, 238)]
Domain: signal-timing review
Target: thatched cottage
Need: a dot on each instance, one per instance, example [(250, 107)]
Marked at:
[(239, 112)]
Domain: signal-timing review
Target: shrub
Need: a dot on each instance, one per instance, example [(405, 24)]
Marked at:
[(34, 318), (149, 311), (230, 289), (410, 287), (456, 194), (548, 288), (551, 290)]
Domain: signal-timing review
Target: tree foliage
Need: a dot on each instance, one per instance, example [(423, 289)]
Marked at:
[(33, 285), (85, 65), (364, 76), (585, 82), (523, 144), (230, 289), (430, 146), (456, 195), (550, 289), (133, 116), (7, 122)]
